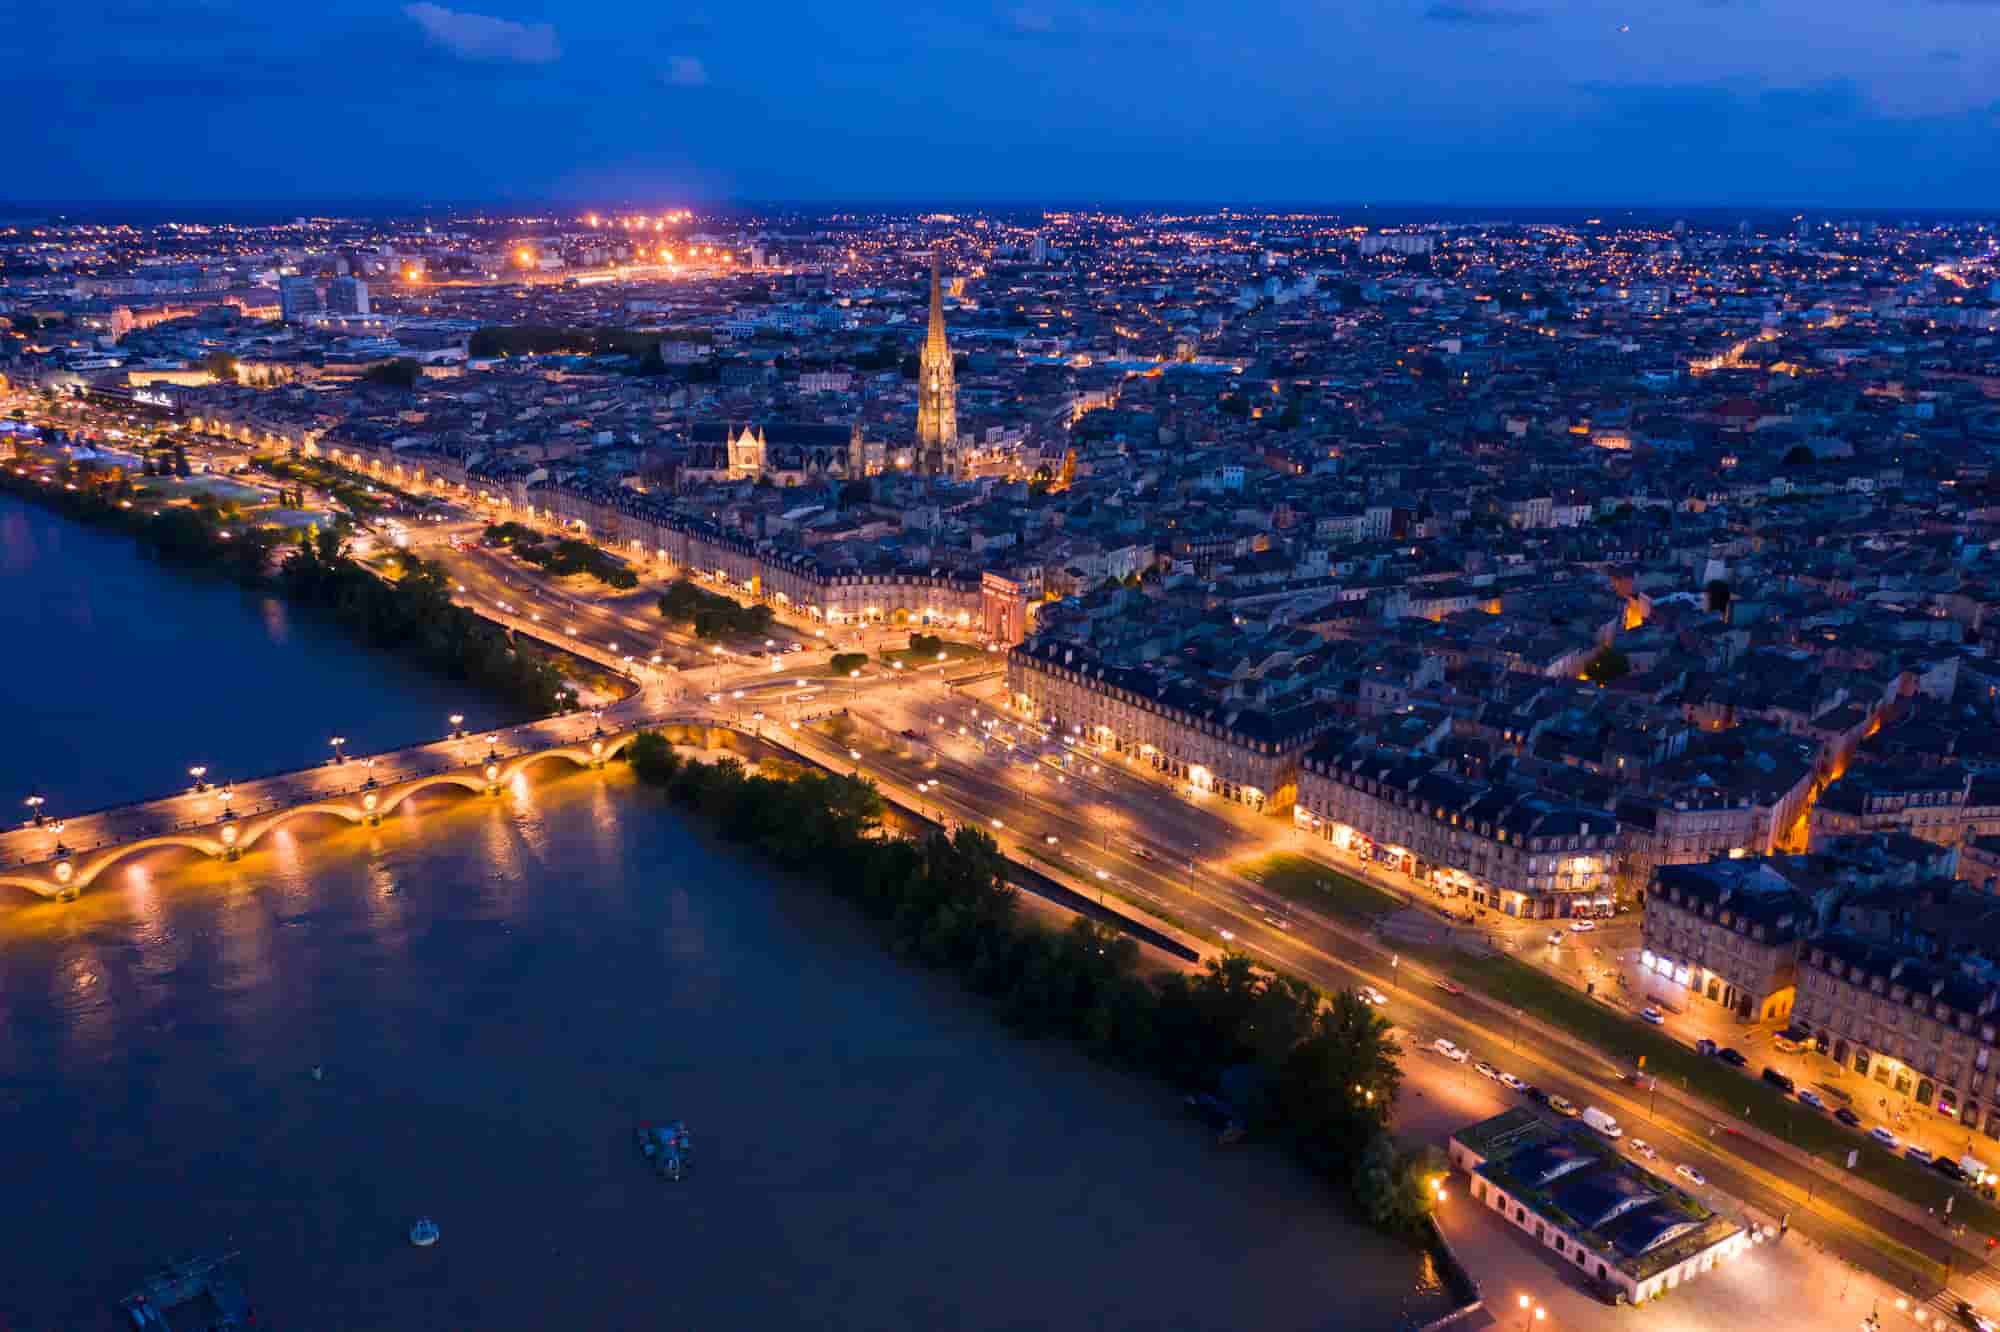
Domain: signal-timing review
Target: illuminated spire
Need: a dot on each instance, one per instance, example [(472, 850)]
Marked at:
[(937, 395)]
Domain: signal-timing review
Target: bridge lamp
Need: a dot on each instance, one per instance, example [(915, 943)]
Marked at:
[(337, 742), (199, 771), (229, 835), (34, 804), (854, 754), (457, 724), (225, 795), (492, 772), (597, 749)]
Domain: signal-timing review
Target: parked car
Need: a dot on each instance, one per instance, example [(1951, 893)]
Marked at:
[(1486, 1070), (1690, 1174), (1732, 1056), (1883, 1136), (1562, 1105), (1919, 1155), (1949, 1168), (1582, 926), (1449, 987), (1847, 1117), (1704, 1046), (1640, 1147), (1811, 1098), (1602, 1122), (1513, 1083), (1370, 995), (1448, 1050), (1653, 1015), (1782, 1081)]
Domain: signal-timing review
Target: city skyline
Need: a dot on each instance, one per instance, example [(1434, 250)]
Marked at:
[(1472, 104)]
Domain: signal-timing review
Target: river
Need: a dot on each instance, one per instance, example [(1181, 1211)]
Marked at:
[(121, 675), (497, 992)]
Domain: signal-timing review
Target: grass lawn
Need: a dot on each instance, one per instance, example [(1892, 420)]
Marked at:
[(1735, 1092), (1625, 1038), (1311, 884)]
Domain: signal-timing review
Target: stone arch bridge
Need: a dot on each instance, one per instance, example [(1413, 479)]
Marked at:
[(63, 871)]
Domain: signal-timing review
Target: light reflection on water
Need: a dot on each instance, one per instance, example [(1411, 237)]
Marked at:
[(498, 990)]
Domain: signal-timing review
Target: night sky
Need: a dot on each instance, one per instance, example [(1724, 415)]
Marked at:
[(1815, 103)]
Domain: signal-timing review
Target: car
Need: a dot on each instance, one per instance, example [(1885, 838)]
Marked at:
[(1556, 936), (1732, 1056), (1653, 1015), (1811, 1098), (1640, 1147), (1847, 1117), (1883, 1136), (1705, 1046), (1535, 1094), (1449, 987), (1448, 1050), (1782, 1081), (1513, 1083), (1143, 853), (1370, 995), (1949, 1168), (1974, 1319), (1485, 1070), (1919, 1155), (1562, 1105), (1691, 1175), (1582, 926)]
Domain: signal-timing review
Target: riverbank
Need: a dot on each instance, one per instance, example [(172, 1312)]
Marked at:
[(497, 992), (1319, 1077), (410, 614)]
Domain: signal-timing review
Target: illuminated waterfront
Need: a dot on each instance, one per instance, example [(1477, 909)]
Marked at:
[(496, 1003)]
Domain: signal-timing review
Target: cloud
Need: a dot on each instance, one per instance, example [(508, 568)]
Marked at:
[(684, 72), (1028, 22), (1479, 14), (483, 37)]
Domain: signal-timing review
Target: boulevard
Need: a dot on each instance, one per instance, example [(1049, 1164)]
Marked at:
[(1092, 819)]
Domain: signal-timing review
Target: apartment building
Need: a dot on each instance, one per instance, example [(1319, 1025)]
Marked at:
[(1907, 992), (1214, 744), (1505, 845), (1726, 933)]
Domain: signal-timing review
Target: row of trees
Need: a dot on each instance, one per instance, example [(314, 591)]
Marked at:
[(548, 340), (413, 616), (711, 614), (564, 557), (1318, 1076)]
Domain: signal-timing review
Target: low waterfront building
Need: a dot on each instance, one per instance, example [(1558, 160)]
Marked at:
[(1626, 1230)]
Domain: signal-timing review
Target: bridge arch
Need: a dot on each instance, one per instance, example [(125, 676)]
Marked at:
[(39, 887), (90, 867), (254, 830), (468, 781)]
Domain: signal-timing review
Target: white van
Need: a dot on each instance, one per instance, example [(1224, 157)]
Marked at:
[(1602, 1122)]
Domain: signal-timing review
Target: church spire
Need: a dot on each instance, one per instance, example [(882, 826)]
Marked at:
[(937, 395)]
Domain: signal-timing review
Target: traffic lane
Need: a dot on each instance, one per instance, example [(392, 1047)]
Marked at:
[(1248, 927)]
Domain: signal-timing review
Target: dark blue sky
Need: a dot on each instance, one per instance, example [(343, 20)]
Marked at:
[(1818, 103)]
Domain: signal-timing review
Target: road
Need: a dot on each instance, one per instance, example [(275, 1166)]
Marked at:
[(1159, 849)]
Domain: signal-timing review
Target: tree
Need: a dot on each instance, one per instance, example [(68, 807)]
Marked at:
[(1799, 456), (1606, 666), (1718, 595), (180, 460), (845, 663), (402, 372), (221, 365)]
